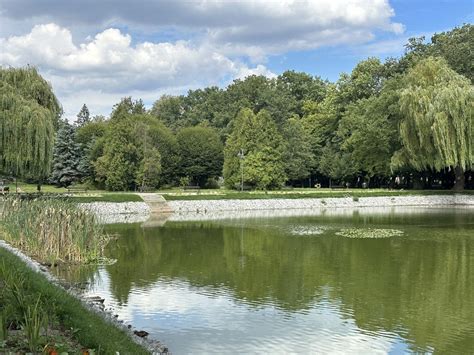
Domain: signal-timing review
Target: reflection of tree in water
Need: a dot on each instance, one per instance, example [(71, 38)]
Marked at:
[(421, 288)]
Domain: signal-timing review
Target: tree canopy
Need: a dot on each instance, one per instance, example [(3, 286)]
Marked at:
[(29, 113), (436, 127)]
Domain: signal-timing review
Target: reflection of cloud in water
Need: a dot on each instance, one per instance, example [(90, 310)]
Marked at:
[(190, 319), (306, 230)]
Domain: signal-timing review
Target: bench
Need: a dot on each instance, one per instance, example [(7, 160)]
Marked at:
[(72, 189), (196, 188)]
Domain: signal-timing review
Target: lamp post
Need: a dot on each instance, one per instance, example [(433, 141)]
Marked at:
[(241, 156)]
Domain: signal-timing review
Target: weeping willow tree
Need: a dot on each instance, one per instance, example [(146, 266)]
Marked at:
[(29, 114), (436, 127)]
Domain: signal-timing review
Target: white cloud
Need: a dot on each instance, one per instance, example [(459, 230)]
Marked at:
[(110, 66), (272, 26), (79, 47)]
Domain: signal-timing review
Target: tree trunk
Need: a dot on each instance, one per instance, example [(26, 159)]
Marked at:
[(459, 179)]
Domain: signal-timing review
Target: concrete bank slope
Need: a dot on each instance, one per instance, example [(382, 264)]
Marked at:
[(204, 206)]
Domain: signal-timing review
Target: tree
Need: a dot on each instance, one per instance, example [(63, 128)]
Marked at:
[(369, 131), (149, 171), (66, 157), (320, 122), (83, 117), (298, 157), (365, 80), (170, 110), (300, 87), (88, 136), (436, 127), (201, 154), (259, 139), (29, 113), (116, 167), (454, 46)]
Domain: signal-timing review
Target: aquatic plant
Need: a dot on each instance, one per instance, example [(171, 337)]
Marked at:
[(369, 232), (53, 230)]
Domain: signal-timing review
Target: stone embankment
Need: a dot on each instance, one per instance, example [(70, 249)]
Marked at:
[(158, 208), (204, 206), (124, 212)]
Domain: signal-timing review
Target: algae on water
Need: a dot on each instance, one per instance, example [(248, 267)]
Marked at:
[(369, 233)]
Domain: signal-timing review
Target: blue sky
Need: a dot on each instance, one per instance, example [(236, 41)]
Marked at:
[(419, 17), (96, 52)]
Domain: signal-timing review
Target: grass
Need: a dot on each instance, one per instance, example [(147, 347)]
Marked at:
[(50, 317), (176, 195), (106, 197), (53, 230), (80, 197)]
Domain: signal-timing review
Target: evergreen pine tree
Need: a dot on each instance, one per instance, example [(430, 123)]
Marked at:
[(83, 117), (66, 157)]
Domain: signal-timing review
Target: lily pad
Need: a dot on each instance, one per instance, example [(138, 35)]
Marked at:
[(372, 233)]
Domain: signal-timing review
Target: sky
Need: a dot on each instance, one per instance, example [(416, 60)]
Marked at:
[(98, 51)]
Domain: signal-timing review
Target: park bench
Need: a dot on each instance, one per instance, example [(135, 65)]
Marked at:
[(73, 189), (194, 187)]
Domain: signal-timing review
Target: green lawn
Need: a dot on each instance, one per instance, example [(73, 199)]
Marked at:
[(87, 328), (82, 197), (173, 195)]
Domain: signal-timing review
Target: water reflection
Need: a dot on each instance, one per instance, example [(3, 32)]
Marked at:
[(255, 285)]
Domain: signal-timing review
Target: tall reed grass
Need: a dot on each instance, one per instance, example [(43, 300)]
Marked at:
[(53, 230)]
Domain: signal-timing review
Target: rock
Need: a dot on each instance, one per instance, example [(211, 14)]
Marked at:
[(140, 333)]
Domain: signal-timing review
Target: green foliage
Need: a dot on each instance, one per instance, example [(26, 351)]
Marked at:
[(149, 171), (66, 157), (29, 113), (436, 127), (75, 327), (52, 230), (201, 154), (298, 156), (369, 136), (169, 109), (454, 46), (83, 117), (366, 80), (258, 137)]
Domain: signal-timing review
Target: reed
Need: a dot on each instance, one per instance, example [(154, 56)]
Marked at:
[(53, 230)]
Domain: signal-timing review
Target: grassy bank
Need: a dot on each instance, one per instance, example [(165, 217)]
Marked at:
[(90, 195), (36, 315), (298, 193)]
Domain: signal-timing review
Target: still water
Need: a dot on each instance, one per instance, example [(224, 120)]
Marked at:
[(295, 285)]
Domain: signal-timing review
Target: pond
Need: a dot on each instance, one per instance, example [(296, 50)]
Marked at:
[(297, 284)]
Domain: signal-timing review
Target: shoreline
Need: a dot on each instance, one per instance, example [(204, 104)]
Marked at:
[(140, 212), (89, 303)]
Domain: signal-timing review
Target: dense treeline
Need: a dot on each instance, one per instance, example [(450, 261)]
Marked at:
[(402, 122)]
